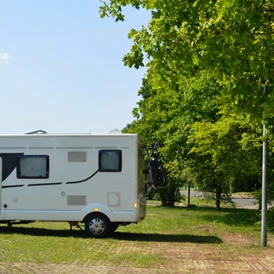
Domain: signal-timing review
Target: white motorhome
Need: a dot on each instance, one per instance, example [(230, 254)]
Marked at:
[(97, 180)]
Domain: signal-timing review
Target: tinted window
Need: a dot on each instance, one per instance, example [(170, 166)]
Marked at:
[(110, 160), (33, 166)]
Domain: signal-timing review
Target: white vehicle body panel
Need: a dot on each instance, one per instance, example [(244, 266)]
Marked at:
[(74, 187)]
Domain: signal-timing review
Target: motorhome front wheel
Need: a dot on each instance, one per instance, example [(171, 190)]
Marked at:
[(97, 226)]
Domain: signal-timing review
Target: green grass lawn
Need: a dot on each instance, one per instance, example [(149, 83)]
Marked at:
[(44, 242)]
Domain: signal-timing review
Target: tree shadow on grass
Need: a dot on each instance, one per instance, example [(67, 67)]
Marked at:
[(183, 238), (126, 236)]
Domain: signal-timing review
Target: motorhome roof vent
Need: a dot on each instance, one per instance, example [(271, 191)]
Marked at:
[(39, 131), (114, 131)]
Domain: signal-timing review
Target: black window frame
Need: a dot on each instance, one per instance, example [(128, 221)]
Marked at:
[(19, 176), (100, 159)]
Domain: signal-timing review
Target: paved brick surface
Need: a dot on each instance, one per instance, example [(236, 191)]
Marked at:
[(177, 258)]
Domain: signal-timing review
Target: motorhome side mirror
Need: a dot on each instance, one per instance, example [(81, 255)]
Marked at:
[(145, 171)]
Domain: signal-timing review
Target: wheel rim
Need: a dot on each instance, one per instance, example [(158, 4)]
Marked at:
[(96, 226)]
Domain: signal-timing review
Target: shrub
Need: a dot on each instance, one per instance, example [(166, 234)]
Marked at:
[(169, 195)]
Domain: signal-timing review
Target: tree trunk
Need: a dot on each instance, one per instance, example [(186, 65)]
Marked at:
[(188, 196), (163, 197), (218, 196)]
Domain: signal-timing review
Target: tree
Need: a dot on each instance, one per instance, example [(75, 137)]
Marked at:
[(155, 121), (234, 39), (203, 139), (219, 153)]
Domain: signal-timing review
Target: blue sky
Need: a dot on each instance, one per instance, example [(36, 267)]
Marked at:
[(61, 67)]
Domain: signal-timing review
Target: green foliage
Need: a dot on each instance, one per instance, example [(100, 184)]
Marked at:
[(204, 141), (270, 218), (232, 39), (270, 211), (170, 195)]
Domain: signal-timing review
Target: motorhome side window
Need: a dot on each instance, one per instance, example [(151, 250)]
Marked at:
[(33, 166), (110, 160)]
